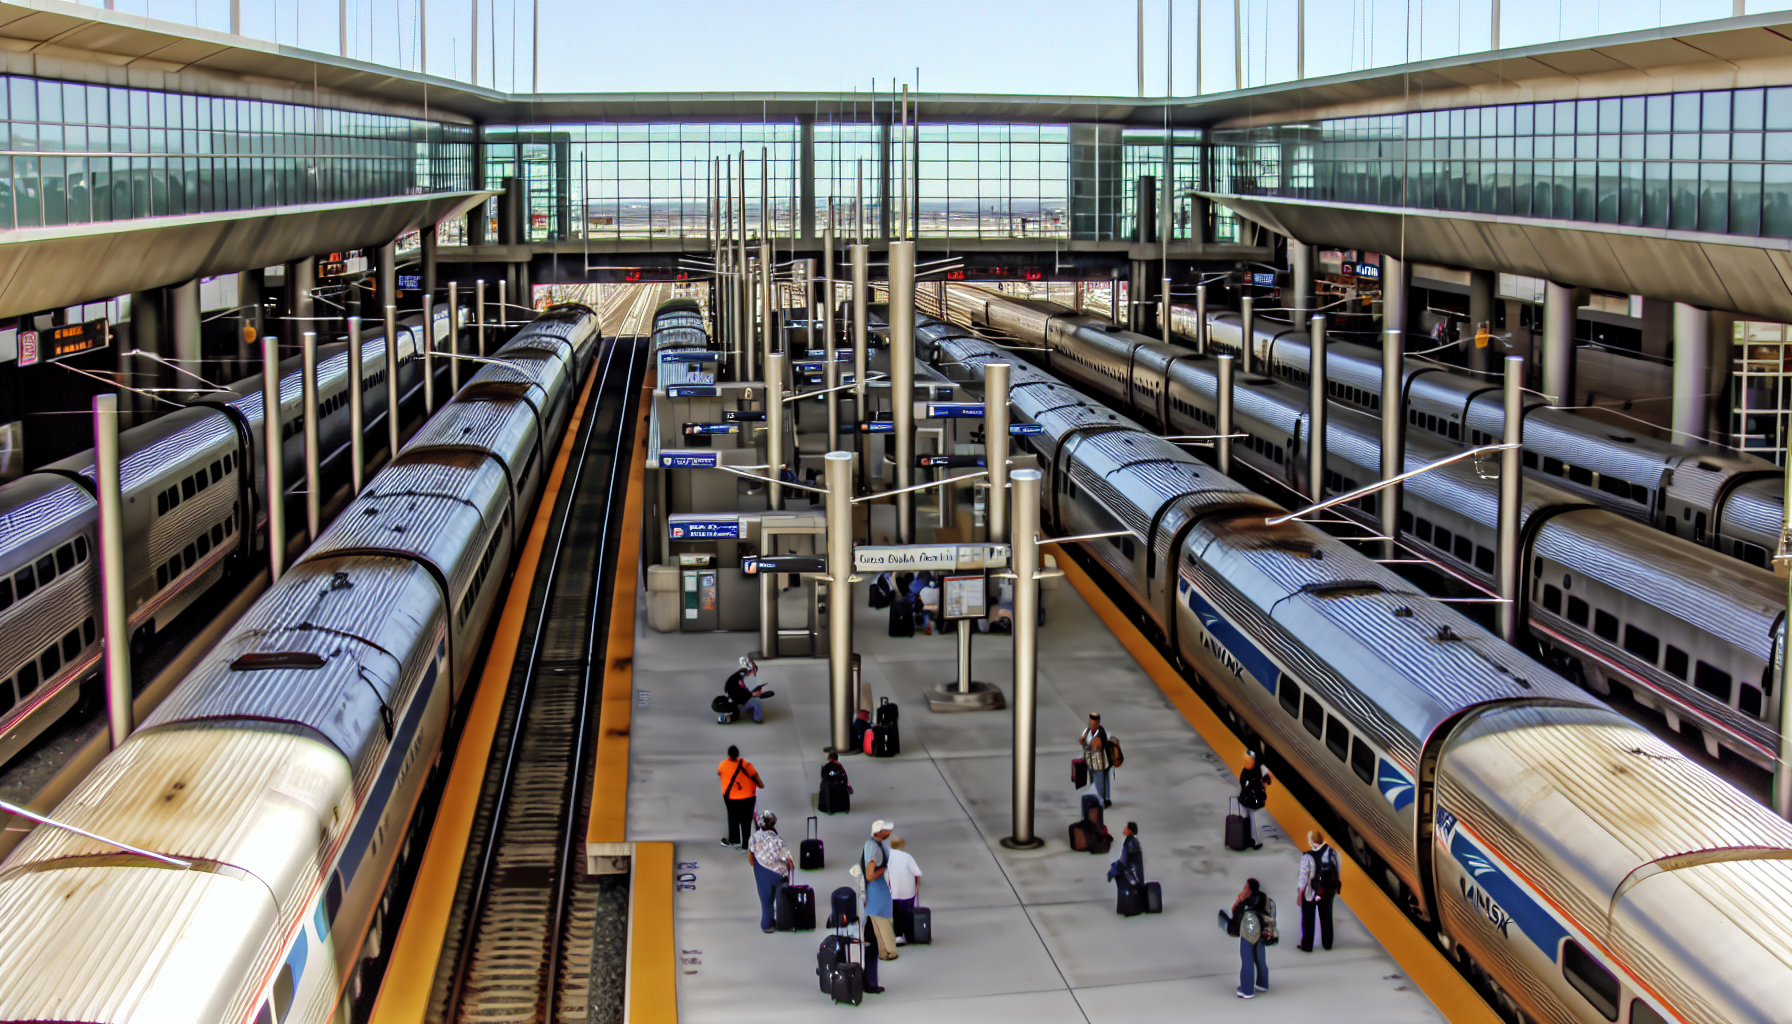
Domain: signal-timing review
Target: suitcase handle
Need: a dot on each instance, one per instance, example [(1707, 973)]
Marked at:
[(814, 827)]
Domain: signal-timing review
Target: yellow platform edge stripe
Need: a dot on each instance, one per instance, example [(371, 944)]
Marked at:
[(411, 971), (608, 822), (1416, 955), (652, 979)]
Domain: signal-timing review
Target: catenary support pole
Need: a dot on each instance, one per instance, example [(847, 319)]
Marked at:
[(1026, 654), (109, 490), (1222, 422), (503, 312), (1782, 765), (1393, 434), (1559, 312), (392, 363), (1200, 319), (1511, 492), (313, 460), (861, 343), (1163, 316), (357, 409), (837, 474), (902, 382), (744, 298), (1316, 408), (1396, 288), (1300, 257), (273, 468), (479, 314), (768, 303), (1247, 333), (429, 357), (995, 449), (774, 427), (829, 346), (453, 338), (1114, 312)]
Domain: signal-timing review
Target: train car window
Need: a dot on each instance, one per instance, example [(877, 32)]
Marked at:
[(27, 679), (1362, 760), (5, 594), (1530, 460), (1639, 494), (162, 504), (200, 483), (87, 630), (1288, 694), (25, 581), (46, 570), (1580, 475), (1455, 432), (71, 645), (187, 490), (173, 567), (1577, 611), (1676, 662), (1483, 558), (1406, 522), (1643, 1013), (161, 576), (1748, 700), (50, 660), (283, 989), (1610, 485), (80, 549), (188, 556), (1552, 466), (1465, 548), (229, 463), (1424, 530), (1552, 599), (1590, 978), (1605, 625), (1642, 644), (1337, 737), (1126, 547), (6, 698), (204, 544), (1442, 538), (1698, 528), (217, 471), (1431, 423), (1712, 680), (65, 557), (1313, 717)]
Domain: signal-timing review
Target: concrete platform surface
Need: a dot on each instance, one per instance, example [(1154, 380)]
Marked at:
[(1018, 935)]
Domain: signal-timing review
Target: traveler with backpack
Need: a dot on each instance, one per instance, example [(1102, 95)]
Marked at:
[(835, 796), (1095, 757), (1253, 920), (1253, 793), (1319, 884), (740, 787), (772, 868)]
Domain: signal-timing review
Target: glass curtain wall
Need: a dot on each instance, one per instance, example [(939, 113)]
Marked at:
[(994, 181), (73, 153), (1142, 154), (842, 152), (1717, 161)]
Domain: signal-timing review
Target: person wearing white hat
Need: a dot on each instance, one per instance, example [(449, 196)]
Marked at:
[(874, 861)]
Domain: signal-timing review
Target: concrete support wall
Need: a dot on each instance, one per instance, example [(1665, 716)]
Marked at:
[(1300, 263), (1480, 311), (1560, 303), (1692, 371)]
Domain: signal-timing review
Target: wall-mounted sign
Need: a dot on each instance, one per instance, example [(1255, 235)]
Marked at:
[(1263, 279), (743, 415), (689, 460), (693, 391), (27, 348), (950, 557), (74, 339), (784, 563), (949, 410), (690, 355), (877, 427), (964, 597), (1025, 429), (711, 428), (689, 526), (1366, 271), (410, 282), (948, 461)]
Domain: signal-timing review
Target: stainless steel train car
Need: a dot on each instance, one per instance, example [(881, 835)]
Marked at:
[(1689, 636), (1580, 868), (190, 479), (286, 768)]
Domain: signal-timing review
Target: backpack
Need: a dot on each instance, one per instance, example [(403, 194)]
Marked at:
[(1116, 756), (881, 593), (1268, 923), (1325, 877)]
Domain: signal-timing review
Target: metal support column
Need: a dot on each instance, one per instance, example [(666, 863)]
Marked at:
[(357, 410), (831, 379), (1782, 765), (1692, 372), (1511, 491), (429, 357), (391, 383), (1481, 287), (183, 303), (995, 449), (902, 382), (1222, 421), (1247, 333), (1026, 655), (861, 343), (1200, 319), (1300, 258), (479, 314), (428, 235), (774, 427), (453, 338), (1164, 319), (743, 299), (314, 512), (1316, 396), (1558, 342), (1114, 313), (768, 299), (114, 621), (386, 283), (1393, 433), (273, 468), (1396, 292), (837, 473)]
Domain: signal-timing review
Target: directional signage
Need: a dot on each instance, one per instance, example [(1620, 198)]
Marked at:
[(693, 391), (690, 355), (841, 355), (743, 415), (948, 410), (1025, 429), (902, 557), (74, 339), (691, 429), (689, 460), (1263, 279), (784, 563), (877, 427), (948, 461), (692, 526), (806, 367)]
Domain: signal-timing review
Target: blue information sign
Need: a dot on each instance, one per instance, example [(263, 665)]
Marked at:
[(877, 427), (712, 428), (1025, 429), (954, 410), (410, 282), (743, 415), (692, 391), (1263, 279), (703, 529), (690, 355), (688, 460)]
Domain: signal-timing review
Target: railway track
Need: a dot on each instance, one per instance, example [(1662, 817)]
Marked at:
[(521, 934)]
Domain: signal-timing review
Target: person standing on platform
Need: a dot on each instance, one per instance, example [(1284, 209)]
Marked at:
[(740, 787), (1246, 921), (905, 889), (1316, 887), (874, 860), (1253, 793), (772, 868), (1095, 757)]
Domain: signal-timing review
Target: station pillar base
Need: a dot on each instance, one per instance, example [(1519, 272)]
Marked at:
[(1015, 844), (981, 697)]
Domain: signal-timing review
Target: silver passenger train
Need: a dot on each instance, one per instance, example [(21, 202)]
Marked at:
[(1578, 866), (1610, 601), (187, 478), (286, 768)]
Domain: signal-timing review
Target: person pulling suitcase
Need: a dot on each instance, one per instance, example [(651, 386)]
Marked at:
[(772, 868), (1253, 794)]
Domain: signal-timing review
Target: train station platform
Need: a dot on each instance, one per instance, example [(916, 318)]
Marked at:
[(1018, 935)]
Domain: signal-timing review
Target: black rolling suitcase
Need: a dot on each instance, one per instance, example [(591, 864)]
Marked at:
[(845, 907), (1238, 831), (1079, 773), (836, 796), (796, 908), (1129, 899), (902, 616), (920, 931), (1092, 810), (809, 855), (884, 741), (1154, 898)]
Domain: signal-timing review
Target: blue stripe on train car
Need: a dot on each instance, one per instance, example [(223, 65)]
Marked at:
[(381, 791), (1226, 643)]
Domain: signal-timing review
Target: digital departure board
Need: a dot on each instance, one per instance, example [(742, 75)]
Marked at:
[(74, 339)]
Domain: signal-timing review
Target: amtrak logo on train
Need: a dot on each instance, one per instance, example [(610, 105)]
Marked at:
[(1495, 895), (1395, 785), (1225, 643)]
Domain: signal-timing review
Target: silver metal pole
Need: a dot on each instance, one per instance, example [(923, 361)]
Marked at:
[(503, 311), (1163, 316), (904, 166), (110, 492), (1200, 320), (1782, 765), (963, 628), (1114, 313), (1222, 446), (1247, 333), (1511, 490), (391, 383), (1300, 254), (902, 381), (1393, 434), (837, 473), (828, 335), (1316, 408), (861, 344), (744, 299), (479, 313), (357, 409), (314, 513), (453, 338), (765, 196), (858, 202), (274, 468), (1026, 653), (774, 426), (429, 357), (995, 449), (768, 615)]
